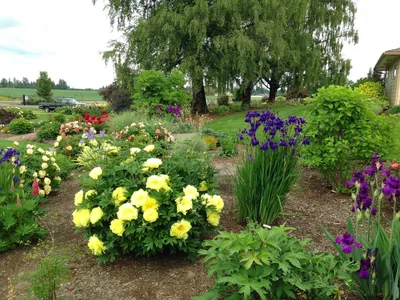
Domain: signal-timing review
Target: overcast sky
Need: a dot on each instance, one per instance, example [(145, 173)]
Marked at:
[(65, 38)]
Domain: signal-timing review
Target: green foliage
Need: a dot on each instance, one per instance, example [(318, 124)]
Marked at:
[(267, 264), (44, 86), (376, 262), (58, 117), (123, 173), (228, 147), (181, 127), (372, 89), (238, 94), (210, 141), (208, 131), (20, 126), (65, 110), (223, 99), (51, 273), (66, 165), (49, 131), (181, 148), (152, 88), (344, 133), (22, 113), (222, 109), (394, 110)]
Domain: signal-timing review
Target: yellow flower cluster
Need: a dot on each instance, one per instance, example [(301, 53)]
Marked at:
[(216, 204)]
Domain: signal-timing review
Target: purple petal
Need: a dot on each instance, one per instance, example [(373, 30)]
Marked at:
[(364, 274), (347, 249)]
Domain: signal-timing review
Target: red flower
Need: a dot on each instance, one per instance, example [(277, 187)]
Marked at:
[(35, 188), (395, 166), (87, 116), (104, 112)]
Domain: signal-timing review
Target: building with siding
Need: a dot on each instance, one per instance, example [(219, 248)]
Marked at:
[(389, 62)]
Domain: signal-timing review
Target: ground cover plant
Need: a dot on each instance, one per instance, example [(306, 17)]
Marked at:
[(269, 168)]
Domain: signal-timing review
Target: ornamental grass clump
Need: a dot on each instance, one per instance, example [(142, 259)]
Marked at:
[(371, 250), (143, 203), (269, 168)]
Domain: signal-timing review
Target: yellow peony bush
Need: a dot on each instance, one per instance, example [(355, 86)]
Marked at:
[(142, 204)]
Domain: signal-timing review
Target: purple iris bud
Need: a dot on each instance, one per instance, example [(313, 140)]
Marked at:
[(251, 157), (16, 179), (159, 107), (292, 142), (283, 143), (101, 133), (364, 274), (373, 211), (273, 146), (376, 155)]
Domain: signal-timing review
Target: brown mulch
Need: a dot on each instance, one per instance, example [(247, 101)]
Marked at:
[(18, 138)]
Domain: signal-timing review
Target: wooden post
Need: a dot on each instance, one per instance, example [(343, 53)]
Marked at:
[(23, 99)]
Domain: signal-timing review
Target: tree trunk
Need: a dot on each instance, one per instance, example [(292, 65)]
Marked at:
[(247, 90), (199, 104), (273, 89)]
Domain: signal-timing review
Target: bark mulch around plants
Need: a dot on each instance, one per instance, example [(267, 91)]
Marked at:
[(309, 206)]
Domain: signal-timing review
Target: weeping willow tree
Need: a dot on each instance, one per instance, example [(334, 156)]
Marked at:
[(291, 43)]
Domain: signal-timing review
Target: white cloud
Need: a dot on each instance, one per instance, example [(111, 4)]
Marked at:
[(379, 30), (62, 37)]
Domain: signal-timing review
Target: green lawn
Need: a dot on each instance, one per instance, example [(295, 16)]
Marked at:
[(78, 95), (233, 123), (5, 144)]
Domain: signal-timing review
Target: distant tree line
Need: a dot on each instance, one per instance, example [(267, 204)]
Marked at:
[(26, 84)]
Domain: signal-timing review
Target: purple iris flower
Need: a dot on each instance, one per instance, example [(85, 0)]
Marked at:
[(251, 157), (264, 146), (101, 134), (347, 242), (254, 142)]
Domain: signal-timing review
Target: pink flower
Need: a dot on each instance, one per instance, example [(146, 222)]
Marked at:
[(395, 166), (35, 188), (158, 131)]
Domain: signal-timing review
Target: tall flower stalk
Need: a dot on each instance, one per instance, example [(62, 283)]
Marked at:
[(377, 259), (269, 168)]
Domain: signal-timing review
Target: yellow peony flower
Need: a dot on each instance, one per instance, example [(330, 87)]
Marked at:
[(119, 195), (149, 148), (113, 150), (139, 197), (53, 159), (157, 183), (35, 175), (44, 166), (96, 246), (96, 214), (56, 144), (59, 138), (191, 191), (47, 181), (150, 203), (42, 173), (22, 169), (152, 163), (213, 218), (90, 193), (45, 158), (150, 215), (180, 229), (41, 151), (41, 193), (117, 227), (183, 204), (47, 189), (203, 186), (127, 212), (217, 201), (81, 217), (94, 143), (134, 150), (68, 148), (78, 198), (29, 151), (95, 173)]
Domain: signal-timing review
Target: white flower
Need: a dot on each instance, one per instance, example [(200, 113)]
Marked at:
[(45, 158), (134, 150), (16, 143), (149, 148), (59, 138)]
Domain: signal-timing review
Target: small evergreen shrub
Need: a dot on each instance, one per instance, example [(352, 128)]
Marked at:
[(60, 118), (228, 147), (20, 126)]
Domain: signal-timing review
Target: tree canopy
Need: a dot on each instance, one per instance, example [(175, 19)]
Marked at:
[(282, 43)]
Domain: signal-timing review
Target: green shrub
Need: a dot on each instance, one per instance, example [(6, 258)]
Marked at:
[(394, 110), (181, 148), (221, 109), (20, 126), (344, 133), (152, 87), (58, 118), (228, 147), (49, 131), (238, 94), (22, 113), (66, 165), (268, 264), (208, 131), (19, 211), (372, 89), (136, 202), (269, 167), (65, 110), (236, 107), (121, 100), (182, 127), (223, 100)]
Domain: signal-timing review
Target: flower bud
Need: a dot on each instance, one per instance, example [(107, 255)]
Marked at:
[(353, 196), (367, 214), (359, 215), (381, 196), (397, 216), (376, 193)]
